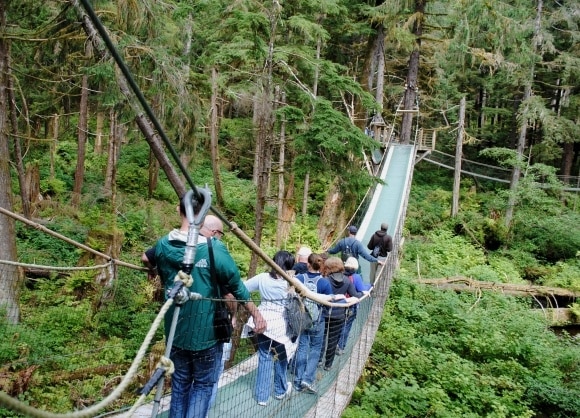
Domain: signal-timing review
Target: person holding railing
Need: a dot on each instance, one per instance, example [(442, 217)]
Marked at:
[(195, 352), (273, 345), (350, 268), (335, 317), (311, 340)]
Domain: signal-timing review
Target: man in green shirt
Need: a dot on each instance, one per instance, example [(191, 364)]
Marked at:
[(195, 352)]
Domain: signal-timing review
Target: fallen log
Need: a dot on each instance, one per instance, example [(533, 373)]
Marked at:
[(460, 283)]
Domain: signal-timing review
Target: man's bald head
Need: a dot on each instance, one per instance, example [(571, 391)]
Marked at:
[(212, 226)]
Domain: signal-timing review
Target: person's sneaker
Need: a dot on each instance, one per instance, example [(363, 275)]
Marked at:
[(339, 351), (327, 368), (287, 393), (309, 387), (262, 403), (297, 387)]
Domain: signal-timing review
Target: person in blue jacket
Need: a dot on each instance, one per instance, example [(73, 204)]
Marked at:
[(351, 247)]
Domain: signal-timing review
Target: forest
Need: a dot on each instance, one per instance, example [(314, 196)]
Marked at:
[(280, 108)]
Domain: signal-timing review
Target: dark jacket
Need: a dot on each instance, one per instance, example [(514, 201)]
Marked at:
[(344, 287), (383, 240)]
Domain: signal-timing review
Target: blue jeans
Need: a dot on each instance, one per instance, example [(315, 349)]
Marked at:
[(308, 353), (227, 349), (193, 380), (271, 358), (347, 327)]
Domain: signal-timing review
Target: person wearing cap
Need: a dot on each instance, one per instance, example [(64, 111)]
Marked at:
[(335, 317), (380, 244), (350, 246), (301, 265), (350, 268)]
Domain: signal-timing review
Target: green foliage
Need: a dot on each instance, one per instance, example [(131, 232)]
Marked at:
[(39, 247), (442, 354), (545, 230), (442, 255)]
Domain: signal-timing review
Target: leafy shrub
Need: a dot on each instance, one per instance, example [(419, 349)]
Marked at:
[(442, 354), (442, 254), (549, 238)]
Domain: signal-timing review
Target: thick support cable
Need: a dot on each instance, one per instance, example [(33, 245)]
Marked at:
[(70, 241)]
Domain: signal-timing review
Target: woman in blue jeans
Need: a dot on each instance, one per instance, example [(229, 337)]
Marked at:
[(273, 344), (311, 340)]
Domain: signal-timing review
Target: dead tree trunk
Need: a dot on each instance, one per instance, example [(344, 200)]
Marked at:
[(24, 195), (213, 132), (82, 140)]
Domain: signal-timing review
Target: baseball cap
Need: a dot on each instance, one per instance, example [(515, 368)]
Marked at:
[(384, 226), (304, 251), (352, 229)]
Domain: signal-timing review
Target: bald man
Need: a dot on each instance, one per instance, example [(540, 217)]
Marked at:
[(196, 354), (212, 227)]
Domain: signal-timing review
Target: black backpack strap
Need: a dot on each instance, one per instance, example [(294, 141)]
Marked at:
[(212, 271)]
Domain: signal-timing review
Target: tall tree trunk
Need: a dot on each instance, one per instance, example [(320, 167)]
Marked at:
[(24, 195), (9, 283), (380, 57), (186, 54), (305, 195), (55, 123), (517, 170), (82, 140), (410, 98), (482, 104), (315, 93), (281, 184), (153, 174), (112, 152), (567, 160), (264, 124), (458, 154), (214, 145)]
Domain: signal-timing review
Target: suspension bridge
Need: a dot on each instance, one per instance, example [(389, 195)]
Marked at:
[(388, 204)]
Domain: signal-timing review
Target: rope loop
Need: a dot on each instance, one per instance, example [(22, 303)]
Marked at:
[(185, 278), (167, 364)]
